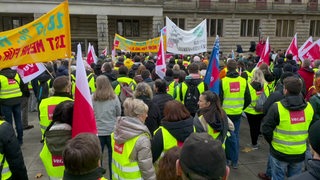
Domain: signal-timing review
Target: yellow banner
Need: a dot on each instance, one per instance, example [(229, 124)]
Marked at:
[(44, 39), (151, 45)]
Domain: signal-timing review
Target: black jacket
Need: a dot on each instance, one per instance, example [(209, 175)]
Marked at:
[(94, 175), (9, 146), (112, 76), (154, 115), (180, 130), (160, 100), (312, 174), (10, 74), (272, 119), (247, 97)]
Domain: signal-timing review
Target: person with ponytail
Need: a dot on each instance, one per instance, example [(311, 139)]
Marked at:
[(211, 118)]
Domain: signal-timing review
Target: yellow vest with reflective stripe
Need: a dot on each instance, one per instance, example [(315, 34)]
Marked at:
[(171, 87), (169, 141), (5, 173), (54, 172), (46, 109), (91, 83), (290, 136), (10, 88), (254, 98), (127, 80), (233, 91), (184, 88), (122, 166)]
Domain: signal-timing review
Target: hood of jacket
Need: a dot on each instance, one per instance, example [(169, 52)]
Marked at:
[(314, 168), (180, 129), (232, 74), (256, 85), (111, 75), (127, 128), (194, 82), (294, 102), (44, 77), (9, 73)]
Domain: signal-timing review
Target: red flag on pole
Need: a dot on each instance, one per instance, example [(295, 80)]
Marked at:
[(305, 45), (265, 54), (91, 57), (83, 114), (161, 62), (293, 48), (312, 52)]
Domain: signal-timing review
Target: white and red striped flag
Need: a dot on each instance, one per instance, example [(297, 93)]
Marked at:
[(91, 56), (264, 58), (28, 72), (312, 52), (305, 45), (161, 62), (83, 114), (293, 48), (105, 51)]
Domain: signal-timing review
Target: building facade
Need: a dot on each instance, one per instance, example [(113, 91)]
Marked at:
[(237, 22)]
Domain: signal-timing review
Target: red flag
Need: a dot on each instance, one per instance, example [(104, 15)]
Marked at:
[(312, 52), (305, 45), (161, 62), (265, 54), (91, 57), (28, 72), (104, 52), (293, 48), (83, 114)]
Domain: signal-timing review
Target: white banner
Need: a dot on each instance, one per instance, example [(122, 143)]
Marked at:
[(186, 42), (28, 72)]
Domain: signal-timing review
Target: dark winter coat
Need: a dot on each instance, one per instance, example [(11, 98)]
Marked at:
[(154, 115), (160, 100), (62, 71), (312, 174)]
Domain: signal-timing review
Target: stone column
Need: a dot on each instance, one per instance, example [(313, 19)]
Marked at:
[(103, 33), (157, 24)]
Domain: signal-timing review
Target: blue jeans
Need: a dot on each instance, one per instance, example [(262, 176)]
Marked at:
[(7, 112), (106, 140), (232, 142), (279, 168)]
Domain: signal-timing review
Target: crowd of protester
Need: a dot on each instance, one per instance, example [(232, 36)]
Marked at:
[(170, 128)]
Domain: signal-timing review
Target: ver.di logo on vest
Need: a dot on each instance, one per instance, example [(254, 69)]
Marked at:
[(234, 87), (297, 117)]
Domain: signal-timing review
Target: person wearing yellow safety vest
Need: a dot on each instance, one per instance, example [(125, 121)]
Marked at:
[(12, 92), (55, 138), (211, 118), (257, 87), (81, 158), (235, 97), (91, 77), (10, 154), (285, 128), (176, 126), (62, 89), (188, 92), (123, 79), (131, 148)]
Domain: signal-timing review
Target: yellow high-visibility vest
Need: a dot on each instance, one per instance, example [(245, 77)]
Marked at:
[(10, 88), (5, 173), (254, 98)]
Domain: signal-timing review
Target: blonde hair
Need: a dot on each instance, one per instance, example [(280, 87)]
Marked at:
[(134, 107), (258, 76), (104, 89), (143, 89)]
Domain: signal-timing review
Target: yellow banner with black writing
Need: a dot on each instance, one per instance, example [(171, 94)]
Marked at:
[(151, 45), (44, 39)]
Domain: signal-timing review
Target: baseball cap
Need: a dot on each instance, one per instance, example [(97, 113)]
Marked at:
[(202, 156), (314, 136)]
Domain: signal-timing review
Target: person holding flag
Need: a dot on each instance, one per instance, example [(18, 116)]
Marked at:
[(235, 97)]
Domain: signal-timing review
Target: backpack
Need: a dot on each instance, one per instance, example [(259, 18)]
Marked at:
[(260, 102), (125, 91), (191, 97)]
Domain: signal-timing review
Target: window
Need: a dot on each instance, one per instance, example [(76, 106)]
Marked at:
[(214, 27), (128, 27), (9, 22), (314, 28), (249, 27), (285, 28), (180, 22)]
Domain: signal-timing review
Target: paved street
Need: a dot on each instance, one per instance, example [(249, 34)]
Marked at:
[(250, 162)]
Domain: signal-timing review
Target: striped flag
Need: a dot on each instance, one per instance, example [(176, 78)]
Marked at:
[(161, 62)]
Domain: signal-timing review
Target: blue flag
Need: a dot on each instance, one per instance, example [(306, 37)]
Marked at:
[(212, 74)]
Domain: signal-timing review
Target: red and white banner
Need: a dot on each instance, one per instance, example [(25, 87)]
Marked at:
[(293, 48), (91, 56), (105, 51), (161, 62), (83, 114), (312, 52), (264, 58), (28, 72), (305, 45)]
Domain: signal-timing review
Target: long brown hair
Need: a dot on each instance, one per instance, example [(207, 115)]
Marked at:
[(167, 165), (104, 89), (175, 111)]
